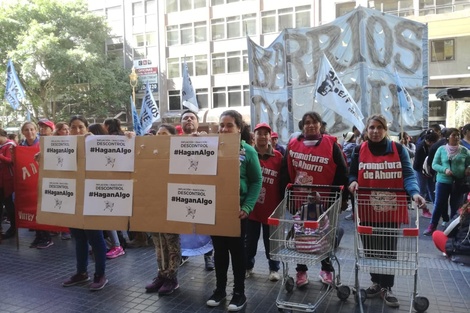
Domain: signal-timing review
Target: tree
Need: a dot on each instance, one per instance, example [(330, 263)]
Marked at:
[(58, 48)]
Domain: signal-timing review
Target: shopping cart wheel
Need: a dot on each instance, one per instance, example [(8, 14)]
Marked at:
[(363, 296), (343, 292), (420, 304), (289, 284)]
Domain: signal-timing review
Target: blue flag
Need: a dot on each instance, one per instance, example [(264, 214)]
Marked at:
[(188, 97), (14, 92), (407, 108), (135, 119), (149, 112)]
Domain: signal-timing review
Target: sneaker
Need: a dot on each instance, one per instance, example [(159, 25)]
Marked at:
[(249, 273), (184, 259), (44, 244), (326, 277), (428, 232), (426, 214), (168, 287), (237, 303), (216, 298), (349, 217), (302, 278), (76, 279), (98, 283), (115, 252), (444, 224), (65, 236), (35, 242), (389, 298), (155, 285), (274, 276), (209, 262), (373, 291)]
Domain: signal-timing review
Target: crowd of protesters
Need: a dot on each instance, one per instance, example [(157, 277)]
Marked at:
[(431, 166)]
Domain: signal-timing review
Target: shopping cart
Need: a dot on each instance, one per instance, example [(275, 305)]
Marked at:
[(386, 239), (303, 231)]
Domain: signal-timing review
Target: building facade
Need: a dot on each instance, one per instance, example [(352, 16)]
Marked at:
[(210, 35)]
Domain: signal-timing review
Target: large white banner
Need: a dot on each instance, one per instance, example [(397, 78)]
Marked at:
[(365, 47)]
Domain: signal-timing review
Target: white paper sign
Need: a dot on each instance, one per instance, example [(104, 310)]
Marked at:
[(60, 153), (108, 197), (110, 153), (191, 203), (58, 195), (194, 155)]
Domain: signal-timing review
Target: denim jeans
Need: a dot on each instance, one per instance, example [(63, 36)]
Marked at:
[(95, 238), (441, 205), (251, 242), (427, 186)]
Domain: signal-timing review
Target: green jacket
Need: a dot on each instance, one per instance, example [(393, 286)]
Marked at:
[(250, 177), (458, 164)]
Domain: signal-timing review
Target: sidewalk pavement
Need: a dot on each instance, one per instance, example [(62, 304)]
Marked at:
[(31, 281)]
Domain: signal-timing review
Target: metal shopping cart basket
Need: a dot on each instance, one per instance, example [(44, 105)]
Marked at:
[(386, 239), (303, 231)]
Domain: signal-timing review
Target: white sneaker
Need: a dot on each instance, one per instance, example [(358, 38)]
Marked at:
[(248, 273), (274, 276)]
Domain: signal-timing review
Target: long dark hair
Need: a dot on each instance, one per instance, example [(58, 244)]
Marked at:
[(97, 129), (244, 128), (114, 126)]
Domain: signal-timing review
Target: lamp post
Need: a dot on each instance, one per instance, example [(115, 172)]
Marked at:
[(133, 82)]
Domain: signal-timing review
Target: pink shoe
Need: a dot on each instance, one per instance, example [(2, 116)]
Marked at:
[(302, 278), (326, 277), (426, 214), (431, 229), (115, 252)]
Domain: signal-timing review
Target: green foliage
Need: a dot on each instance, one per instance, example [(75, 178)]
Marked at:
[(58, 48)]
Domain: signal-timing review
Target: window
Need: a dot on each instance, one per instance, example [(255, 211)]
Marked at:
[(218, 63), (200, 32), (343, 8), (171, 6), (114, 17), (190, 63), (442, 50), (185, 5), (285, 19), (234, 96), (172, 35), (115, 51), (233, 27), (245, 60), (202, 96), (216, 2), (199, 3), (174, 100), (186, 33), (219, 98), (302, 16), (137, 8), (201, 64), (249, 24), (150, 7), (246, 95), (233, 62), (268, 22), (173, 67), (218, 29)]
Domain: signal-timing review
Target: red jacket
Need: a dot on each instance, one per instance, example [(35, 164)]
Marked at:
[(269, 196), (6, 168)]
